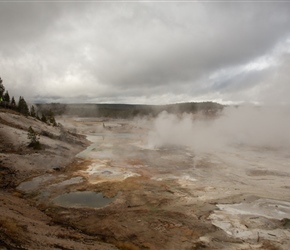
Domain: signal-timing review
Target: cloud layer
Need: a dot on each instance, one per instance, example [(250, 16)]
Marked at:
[(139, 52)]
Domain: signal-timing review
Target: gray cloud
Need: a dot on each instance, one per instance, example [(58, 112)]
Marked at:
[(143, 52)]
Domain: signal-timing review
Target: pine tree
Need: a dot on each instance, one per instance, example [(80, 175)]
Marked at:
[(50, 117), (13, 103), (22, 106), (37, 117), (34, 138), (6, 97), (43, 118), (32, 111), (2, 88)]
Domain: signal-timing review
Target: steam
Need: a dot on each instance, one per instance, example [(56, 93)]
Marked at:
[(245, 125)]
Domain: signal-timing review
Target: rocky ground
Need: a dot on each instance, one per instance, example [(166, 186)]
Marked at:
[(166, 197)]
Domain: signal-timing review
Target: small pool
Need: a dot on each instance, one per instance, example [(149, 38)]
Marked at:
[(44, 181), (74, 180), (35, 183), (83, 199)]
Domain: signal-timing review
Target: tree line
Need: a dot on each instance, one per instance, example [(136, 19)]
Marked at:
[(22, 107)]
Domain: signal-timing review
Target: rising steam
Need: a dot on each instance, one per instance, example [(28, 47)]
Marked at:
[(245, 125)]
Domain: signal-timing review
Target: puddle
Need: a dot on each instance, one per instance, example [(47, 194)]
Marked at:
[(34, 183), (39, 181), (74, 180), (83, 199)]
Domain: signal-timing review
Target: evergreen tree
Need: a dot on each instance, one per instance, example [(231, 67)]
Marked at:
[(6, 97), (32, 111), (37, 117), (22, 106), (34, 138), (43, 118), (2, 88), (13, 103), (50, 117)]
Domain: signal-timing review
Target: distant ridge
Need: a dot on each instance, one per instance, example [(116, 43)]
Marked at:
[(129, 110)]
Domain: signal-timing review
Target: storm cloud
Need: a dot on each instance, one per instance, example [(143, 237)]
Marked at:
[(145, 52)]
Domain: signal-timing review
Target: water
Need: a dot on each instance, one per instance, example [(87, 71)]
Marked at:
[(83, 199), (34, 183), (41, 181), (74, 180)]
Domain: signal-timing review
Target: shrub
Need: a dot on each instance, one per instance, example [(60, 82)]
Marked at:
[(34, 139)]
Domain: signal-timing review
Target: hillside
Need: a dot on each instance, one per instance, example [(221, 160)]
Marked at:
[(22, 224)]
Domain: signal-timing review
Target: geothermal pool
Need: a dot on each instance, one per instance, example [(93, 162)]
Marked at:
[(83, 199)]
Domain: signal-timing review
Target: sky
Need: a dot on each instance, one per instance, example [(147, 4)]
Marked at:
[(146, 52)]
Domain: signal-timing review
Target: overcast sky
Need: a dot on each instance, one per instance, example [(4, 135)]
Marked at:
[(146, 52)]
